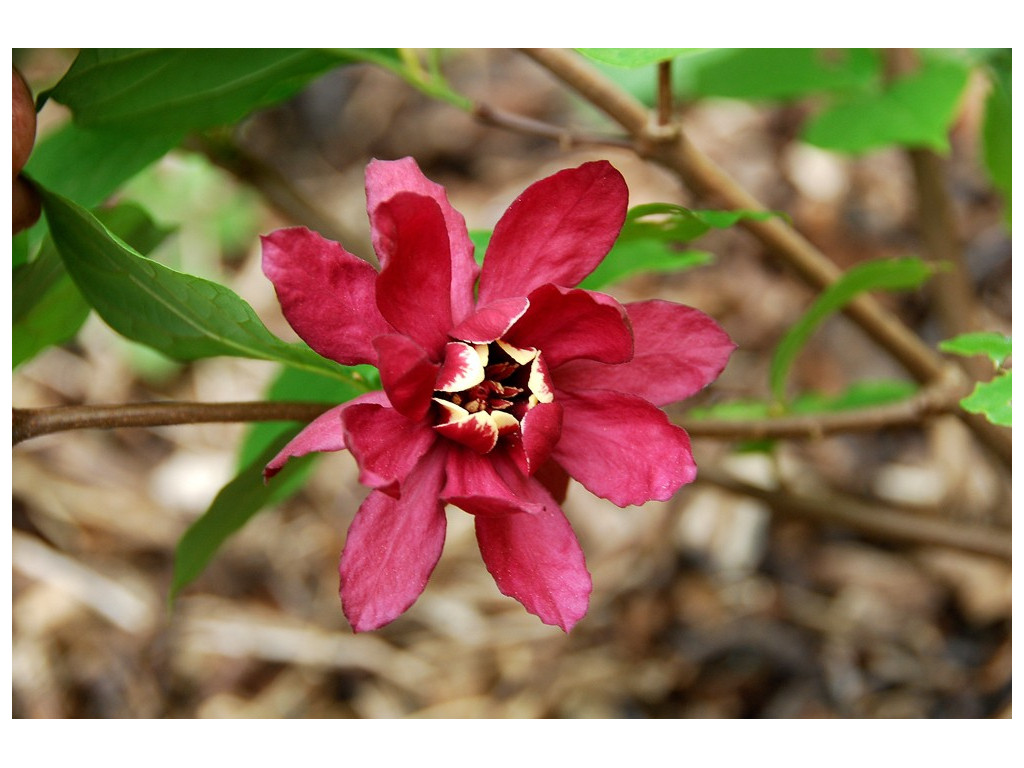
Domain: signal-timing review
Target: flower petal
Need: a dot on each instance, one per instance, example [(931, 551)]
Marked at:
[(491, 322), (491, 485), (557, 231), (385, 179), (406, 373), (326, 294), (541, 429), (678, 351), (555, 479), (476, 430), (566, 324), (324, 433), (414, 287), (385, 444), (622, 448), (537, 560), (463, 367), (392, 547)]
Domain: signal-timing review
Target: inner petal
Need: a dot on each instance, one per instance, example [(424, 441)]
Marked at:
[(484, 391), (463, 367)]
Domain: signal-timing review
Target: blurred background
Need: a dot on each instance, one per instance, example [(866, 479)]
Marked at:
[(710, 605)]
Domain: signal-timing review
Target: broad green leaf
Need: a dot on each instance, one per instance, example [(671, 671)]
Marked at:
[(47, 308), (184, 89), (915, 110), (634, 57), (993, 399), (179, 315), (53, 320), (776, 73), (889, 275), (89, 164), (19, 249), (995, 346), (233, 507), (997, 135)]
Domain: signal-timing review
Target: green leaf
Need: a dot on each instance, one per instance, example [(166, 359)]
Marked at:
[(20, 249), (915, 110), (997, 134), (179, 315), (993, 399), (861, 394), (233, 507), (47, 308), (89, 164), (53, 320), (305, 386), (634, 57), (651, 238), (776, 73), (184, 89), (480, 238), (889, 275), (995, 345)]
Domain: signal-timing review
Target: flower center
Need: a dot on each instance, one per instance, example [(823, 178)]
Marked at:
[(485, 390)]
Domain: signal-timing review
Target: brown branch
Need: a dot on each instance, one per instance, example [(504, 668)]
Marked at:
[(673, 150), (941, 397), (35, 422), (27, 423), (664, 92), (872, 520), (950, 288)]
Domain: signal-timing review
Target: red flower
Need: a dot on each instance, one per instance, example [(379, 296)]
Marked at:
[(499, 383)]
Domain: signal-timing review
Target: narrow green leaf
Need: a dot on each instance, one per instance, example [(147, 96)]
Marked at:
[(47, 308), (305, 386), (634, 57), (889, 275), (233, 507), (915, 110), (993, 399), (861, 394), (651, 241), (184, 89), (995, 346), (179, 315), (642, 256)]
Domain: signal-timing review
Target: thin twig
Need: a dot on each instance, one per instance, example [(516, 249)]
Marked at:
[(27, 423), (34, 422), (529, 126), (276, 189), (872, 520), (706, 178)]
